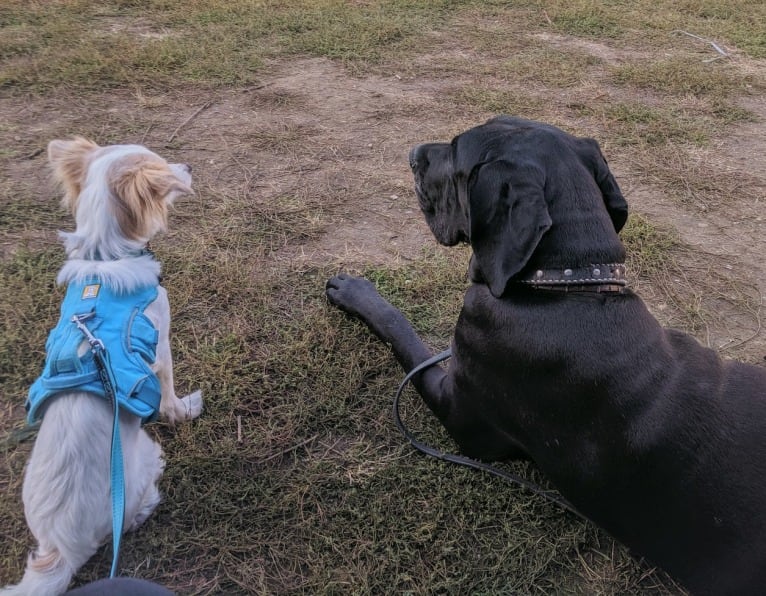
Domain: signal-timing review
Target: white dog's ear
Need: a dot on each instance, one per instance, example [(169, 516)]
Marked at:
[(144, 186), (68, 158)]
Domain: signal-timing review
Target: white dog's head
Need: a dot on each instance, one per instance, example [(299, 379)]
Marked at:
[(119, 195)]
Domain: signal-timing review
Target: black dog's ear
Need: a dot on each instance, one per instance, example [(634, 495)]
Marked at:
[(508, 216), (616, 205)]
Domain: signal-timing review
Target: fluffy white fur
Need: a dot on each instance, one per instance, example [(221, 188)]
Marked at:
[(120, 197)]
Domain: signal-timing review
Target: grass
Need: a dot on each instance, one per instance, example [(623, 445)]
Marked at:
[(586, 18), (649, 247), (295, 480), (553, 68), (737, 24), (665, 270), (213, 43), (93, 46), (683, 77), (490, 99), (682, 176)]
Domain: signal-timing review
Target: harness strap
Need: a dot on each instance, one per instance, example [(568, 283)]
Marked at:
[(116, 460), (467, 461)]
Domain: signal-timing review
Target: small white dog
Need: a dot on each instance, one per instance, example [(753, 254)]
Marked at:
[(120, 197)]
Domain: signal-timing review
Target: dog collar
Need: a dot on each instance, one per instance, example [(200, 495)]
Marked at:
[(588, 288), (141, 252), (601, 277)]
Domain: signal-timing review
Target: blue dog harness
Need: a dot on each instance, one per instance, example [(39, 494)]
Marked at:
[(119, 322), (91, 309)]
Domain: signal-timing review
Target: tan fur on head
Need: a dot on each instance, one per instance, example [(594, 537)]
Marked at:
[(69, 160), (141, 185)]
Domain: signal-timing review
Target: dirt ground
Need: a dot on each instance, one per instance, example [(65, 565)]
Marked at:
[(315, 142)]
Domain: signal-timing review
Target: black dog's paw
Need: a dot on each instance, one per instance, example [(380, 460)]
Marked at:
[(354, 295)]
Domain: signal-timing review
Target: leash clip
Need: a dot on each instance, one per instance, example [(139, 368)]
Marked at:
[(95, 343)]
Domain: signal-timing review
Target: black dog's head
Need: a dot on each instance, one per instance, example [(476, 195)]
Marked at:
[(525, 195)]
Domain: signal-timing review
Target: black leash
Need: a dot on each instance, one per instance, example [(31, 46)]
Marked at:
[(552, 496)]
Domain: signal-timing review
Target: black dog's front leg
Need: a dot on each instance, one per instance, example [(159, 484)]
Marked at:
[(358, 297), (476, 435)]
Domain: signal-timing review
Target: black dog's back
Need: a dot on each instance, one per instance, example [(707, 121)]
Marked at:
[(651, 435)]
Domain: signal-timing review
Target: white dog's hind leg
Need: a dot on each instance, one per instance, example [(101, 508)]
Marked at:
[(65, 482), (152, 498), (146, 469)]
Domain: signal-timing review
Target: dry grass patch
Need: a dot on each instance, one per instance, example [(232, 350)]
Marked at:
[(490, 99), (685, 175), (685, 76), (551, 67), (88, 45), (692, 290), (736, 25)]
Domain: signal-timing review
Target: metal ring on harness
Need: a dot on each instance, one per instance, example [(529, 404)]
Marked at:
[(467, 461)]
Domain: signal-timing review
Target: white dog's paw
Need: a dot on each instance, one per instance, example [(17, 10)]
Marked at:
[(193, 404), (178, 409)]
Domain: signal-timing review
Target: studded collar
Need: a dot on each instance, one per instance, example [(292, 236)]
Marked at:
[(601, 277)]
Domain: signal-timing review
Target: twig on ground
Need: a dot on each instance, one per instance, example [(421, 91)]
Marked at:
[(202, 108), (255, 87), (35, 153), (288, 450), (716, 47), (146, 132)]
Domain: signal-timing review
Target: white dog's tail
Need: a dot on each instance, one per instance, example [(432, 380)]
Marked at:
[(47, 574)]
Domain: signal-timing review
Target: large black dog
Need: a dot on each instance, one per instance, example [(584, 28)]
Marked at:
[(649, 434)]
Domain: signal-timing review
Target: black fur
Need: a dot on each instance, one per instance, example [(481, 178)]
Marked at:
[(648, 433)]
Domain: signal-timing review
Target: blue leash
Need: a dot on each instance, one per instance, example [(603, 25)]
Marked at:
[(116, 468)]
